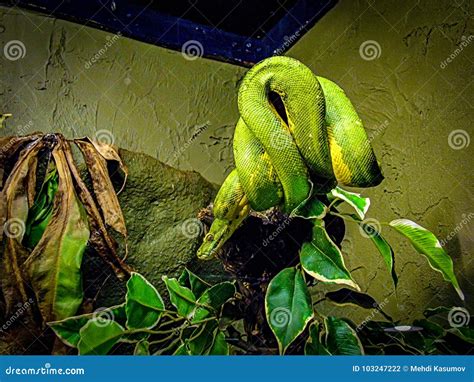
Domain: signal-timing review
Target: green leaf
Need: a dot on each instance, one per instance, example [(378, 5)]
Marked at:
[(341, 339), (288, 306), (195, 283), (313, 345), (384, 248), (98, 337), (202, 339), (427, 244), (347, 296), (322, 258), (430, 328), (220, 346), (181, 297), (181, 350), (142, 348), (68, 329), (429, 312), (143, 303), (40, 213), (311, 208), (359, 203), (212, 299), (465, 333)]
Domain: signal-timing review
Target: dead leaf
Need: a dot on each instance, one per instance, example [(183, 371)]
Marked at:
[(103, 189), (54, 266)]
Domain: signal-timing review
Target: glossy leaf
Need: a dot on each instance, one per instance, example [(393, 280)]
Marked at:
[(143, 303), (40, 213), (322, 258), (98, 337), (54, 266), (427, 244), (68, 329), (313, 345), (195, 283), (202, 339), (212, 299), (359, 203), (311, 208), (181, 297), (142, 348), (341, 339), (220, 346), (288, 306), (384, 248)]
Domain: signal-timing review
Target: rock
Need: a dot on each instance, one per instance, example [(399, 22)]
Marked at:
[(160, 205)]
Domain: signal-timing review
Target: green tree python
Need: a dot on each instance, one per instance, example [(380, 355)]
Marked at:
[(281, 160)]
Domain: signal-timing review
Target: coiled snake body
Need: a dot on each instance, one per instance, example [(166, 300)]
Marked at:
[(321, 141)]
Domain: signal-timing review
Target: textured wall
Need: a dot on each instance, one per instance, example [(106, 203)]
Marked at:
[(182, 112)]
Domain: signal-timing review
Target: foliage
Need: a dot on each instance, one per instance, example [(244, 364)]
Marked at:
[(192, 327), (49, 216), (322, 259)]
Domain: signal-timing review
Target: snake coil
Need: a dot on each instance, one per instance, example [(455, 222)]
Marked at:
[(320, 140)]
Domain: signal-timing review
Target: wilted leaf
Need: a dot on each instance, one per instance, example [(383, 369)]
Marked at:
[(68, 329), (427, 244), (359, 203), (54, 266), (341, 339), (100, 238), (110, 153), (212, 299), (288, 306), (14, 213), (322, 259), (98, 337), (313, 345), (143, 303), (181, 297), (102, 185)]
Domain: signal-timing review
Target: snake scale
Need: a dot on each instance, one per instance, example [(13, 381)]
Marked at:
[(320, 140)]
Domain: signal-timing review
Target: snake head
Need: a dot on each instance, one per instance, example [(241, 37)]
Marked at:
[(221, 230), (218, 234)]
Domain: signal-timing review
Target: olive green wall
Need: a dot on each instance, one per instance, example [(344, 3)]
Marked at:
[(154, 100)]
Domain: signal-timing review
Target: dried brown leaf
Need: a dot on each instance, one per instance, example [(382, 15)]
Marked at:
[(100, 238), (103, 187)]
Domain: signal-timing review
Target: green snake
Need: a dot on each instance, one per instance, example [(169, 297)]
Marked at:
[(320, 141)]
